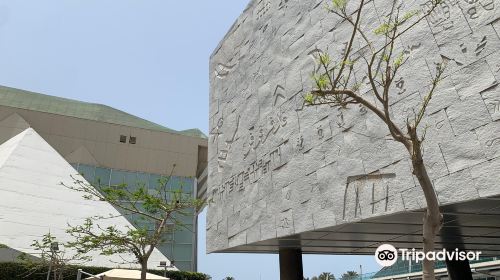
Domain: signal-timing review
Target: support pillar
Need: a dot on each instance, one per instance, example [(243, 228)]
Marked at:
[(456, 269), (291, 264), (459, 270)]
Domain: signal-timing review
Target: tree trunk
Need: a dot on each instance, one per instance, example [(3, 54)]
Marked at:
[(432, 219), (144, 269)]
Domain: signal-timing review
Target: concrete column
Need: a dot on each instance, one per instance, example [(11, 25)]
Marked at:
[(291, 264), (459, 270)]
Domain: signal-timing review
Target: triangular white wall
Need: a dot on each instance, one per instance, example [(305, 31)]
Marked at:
[(33, 202)]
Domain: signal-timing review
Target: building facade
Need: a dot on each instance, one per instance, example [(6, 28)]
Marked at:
[(326, 180), (110, 146), (482, 269)]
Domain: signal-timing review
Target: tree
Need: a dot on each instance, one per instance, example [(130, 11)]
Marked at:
[(158, 209), (349, 275), (326, 276), (334, 85), (53, 254), (229, 278)]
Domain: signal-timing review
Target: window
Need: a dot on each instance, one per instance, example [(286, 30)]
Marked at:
[(184, 234), (102, 176), (123, 139), (88, 172), (132, 140), (183, 252)]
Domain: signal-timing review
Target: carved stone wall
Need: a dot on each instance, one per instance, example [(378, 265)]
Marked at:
[(277, 168)]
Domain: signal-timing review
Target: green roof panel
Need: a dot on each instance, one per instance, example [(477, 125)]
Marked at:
[(22, 99)]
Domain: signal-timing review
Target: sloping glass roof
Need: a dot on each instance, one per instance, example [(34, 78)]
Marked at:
[(22, 99)]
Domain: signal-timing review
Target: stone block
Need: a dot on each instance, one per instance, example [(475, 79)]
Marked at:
[(298, 192), (471, 48), (462, 152), (455, 187), (491, 98), (253, 234), (434, 160), (314, 36), (303, 217), (293, 79), (468, 114), (443, 97), (413, 198), (268, 226), (289, 173), (489, 138), (405, 109), (408, 83), (353, 140), (217, 237), (447, 21), (484, 176), (419, 42), (397, 151), (238, 239), (369, 22), (480, 13), (374, 156), (494, 62), (473, 79), (437, 127), (324, 218), (334, 148), (284, 223)]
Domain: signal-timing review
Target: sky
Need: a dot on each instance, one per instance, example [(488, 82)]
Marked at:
[(148, 58)]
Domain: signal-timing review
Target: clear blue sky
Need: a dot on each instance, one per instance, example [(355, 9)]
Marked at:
[(148, 58)]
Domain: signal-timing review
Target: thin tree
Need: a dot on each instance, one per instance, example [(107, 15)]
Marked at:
[(52, 258), (334, 85), (158, 211)]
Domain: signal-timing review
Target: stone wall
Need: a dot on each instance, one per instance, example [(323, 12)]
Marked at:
[(277, 167)]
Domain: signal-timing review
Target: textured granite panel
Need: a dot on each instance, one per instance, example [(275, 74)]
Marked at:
[(278, 168)]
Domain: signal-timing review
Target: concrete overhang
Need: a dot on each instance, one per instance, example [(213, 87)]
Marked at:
[(473, 225)]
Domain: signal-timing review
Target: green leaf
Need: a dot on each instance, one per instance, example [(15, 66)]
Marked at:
[(410, 14), (309, 98), (348, 62), (339, 4), (383, 29), (399, 60), (324, 59), (322, 81)]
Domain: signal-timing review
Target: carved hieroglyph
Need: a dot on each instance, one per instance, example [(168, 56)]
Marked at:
[(278, 168)]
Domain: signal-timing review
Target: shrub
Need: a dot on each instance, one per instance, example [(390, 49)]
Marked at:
[(22, 271)]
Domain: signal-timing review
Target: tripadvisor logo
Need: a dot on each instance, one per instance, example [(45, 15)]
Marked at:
[(387, 255)]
